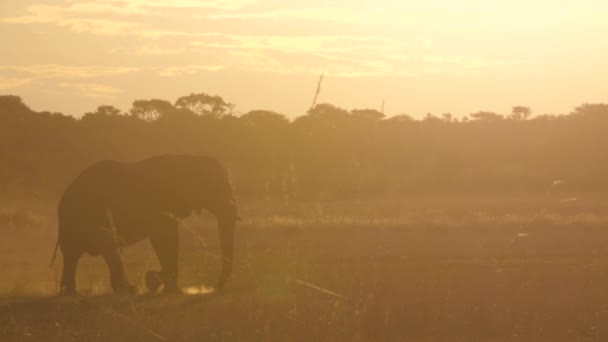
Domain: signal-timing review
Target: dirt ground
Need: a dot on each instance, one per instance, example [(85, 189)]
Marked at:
[(330, 280)]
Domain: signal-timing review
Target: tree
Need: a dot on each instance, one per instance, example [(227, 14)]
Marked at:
[(204, 104), (520, 113), (431, 118), (486, 116), (323, 116), (150, 110), (370, 114), (592, 110), (328, 111), (401, 118), (13, 105), (263, 118), (104, 110)]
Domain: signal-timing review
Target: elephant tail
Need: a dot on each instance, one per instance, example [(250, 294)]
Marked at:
[(54, 252)]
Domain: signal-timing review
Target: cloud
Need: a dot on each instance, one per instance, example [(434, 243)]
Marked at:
[(409, 65), (41, 13), (94, 7), (181, 4), (331, 14), (152, 50), (341, 54), (65, 71), (156, 50), (302, 44), (189, 70), (96, 90), (7, 83), (116, 17), (251, 60), (53, 15), (53, 71), (46, 76), (346, 56)]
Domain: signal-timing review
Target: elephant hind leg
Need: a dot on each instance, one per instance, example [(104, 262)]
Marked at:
[(117, 273), (165, 243), (68, 276)]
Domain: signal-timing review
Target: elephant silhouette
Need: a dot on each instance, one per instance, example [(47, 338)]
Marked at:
[(114, 204)]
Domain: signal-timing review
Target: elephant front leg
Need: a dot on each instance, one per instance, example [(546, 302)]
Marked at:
[(117, 273), (165, 243), (68, 276)]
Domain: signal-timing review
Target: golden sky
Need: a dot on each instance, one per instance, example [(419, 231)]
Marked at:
[(457, 56)]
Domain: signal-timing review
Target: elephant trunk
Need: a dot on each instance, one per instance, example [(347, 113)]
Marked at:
[(226, 232)]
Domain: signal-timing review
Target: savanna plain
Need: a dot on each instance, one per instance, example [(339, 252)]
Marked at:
[(425, 268)]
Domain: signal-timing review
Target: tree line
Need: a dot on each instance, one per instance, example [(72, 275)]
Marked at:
[(329, 153)]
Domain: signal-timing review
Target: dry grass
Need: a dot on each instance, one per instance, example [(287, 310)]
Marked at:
[(430, 271)]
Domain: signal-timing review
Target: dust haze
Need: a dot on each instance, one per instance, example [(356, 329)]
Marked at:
[(355, 225)]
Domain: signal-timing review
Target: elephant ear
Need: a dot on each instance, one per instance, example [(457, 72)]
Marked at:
[(180, 192), (182, 204)]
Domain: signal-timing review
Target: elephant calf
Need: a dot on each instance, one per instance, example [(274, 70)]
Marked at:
[(113, 204)]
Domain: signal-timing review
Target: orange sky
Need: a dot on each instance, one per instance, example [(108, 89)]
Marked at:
[(434, 56)]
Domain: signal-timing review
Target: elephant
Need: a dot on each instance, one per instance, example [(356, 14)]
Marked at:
[(114, 204)]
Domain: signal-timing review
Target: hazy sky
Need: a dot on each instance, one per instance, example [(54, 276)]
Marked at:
[(457, 56)]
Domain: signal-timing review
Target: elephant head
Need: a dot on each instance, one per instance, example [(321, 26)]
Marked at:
[(226, 219), (222, 205), (206, 186)]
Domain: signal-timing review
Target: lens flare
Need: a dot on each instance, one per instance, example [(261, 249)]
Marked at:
[(195, 290)]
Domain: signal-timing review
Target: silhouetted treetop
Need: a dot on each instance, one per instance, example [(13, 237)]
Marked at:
[(520, 113), (329, 153), (204, 104), (592, 111), (13, 105), (401, 118), (264, 118), (150, 110), (371, 114), (329, 111), (486, 116), (104, 110)]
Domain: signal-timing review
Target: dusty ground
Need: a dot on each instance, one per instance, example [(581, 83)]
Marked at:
[(502, 278)]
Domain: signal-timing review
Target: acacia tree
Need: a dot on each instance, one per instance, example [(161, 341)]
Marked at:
[(150, 110), (520, 113), (591, 110), (264, 118), (486, 116), (204, 104), (370, 114), (400, 118), (104, 110)]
